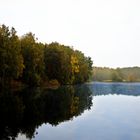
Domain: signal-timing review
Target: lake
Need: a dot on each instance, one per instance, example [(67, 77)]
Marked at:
[(99, 111)]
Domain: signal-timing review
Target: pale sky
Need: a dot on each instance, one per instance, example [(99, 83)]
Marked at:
[(106, 30)]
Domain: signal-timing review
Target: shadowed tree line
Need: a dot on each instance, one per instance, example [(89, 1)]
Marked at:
[(129, 74), (24, 59)]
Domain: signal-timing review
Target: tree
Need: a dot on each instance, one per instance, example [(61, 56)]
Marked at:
[(27, 60), (52, 61), (11, 60), (33, 54), (84, 65)]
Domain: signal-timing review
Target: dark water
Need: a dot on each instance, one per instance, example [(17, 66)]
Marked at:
[(99, 111)]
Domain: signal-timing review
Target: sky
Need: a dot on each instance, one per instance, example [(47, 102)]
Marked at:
[(106, 30)]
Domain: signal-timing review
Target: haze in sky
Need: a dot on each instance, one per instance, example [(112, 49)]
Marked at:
[(106, 30)]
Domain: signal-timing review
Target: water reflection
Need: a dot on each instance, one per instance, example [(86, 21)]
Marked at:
[(115, 115), (23, 111), (101, 88)]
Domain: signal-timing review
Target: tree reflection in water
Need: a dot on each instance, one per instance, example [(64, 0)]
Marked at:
[(24, 111)]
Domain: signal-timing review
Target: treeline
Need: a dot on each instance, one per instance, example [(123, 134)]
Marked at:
[(129, 74), (24, 59)]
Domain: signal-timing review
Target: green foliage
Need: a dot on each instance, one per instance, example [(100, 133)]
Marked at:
[(11, 60), (25, 59), (116, 77), (33, 54), (130, 74), (102, 74), (66, 65), (53, 61)]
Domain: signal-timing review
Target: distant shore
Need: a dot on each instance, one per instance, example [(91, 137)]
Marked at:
[(127, 74)]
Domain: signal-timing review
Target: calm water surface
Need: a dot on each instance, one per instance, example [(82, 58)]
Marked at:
[(99, 111)]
